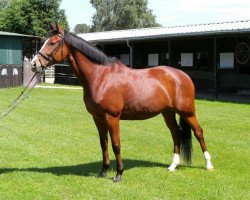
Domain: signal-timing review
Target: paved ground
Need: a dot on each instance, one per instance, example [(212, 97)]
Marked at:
[(58, 87)]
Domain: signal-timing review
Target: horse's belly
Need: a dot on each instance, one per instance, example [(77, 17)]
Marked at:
[(137, 116), (139, 107), (142, 111)]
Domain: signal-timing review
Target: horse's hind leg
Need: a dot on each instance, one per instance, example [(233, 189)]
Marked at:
[(170, 120), (103, 134), (198, 132)]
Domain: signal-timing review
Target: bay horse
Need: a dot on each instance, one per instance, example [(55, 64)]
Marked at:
[(114, 92)]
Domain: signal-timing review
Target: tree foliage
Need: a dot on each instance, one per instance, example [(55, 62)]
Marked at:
[(31, 16), (122, 14), (81, 28), (4, 4)]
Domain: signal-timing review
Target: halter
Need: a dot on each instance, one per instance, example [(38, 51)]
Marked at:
[(50, 58)]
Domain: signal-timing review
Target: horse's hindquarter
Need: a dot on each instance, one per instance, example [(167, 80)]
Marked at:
[(184, 94)]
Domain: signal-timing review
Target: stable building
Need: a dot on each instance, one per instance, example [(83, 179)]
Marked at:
[(216, 56), (14, 48)]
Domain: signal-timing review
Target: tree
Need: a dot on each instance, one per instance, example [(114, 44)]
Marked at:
[(122, 14), (4, 4), (81, 28), (32, 16)]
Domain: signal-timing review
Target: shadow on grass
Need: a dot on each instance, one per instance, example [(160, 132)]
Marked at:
[(88, 169)]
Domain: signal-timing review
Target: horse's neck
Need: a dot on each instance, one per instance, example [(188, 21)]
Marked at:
[(85, 70)]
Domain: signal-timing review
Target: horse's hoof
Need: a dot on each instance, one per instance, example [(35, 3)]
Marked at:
[(210, 167), (171, 169), (118, 179)]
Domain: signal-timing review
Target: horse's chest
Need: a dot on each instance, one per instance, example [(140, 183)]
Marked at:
[(92, 105), (101, 104)]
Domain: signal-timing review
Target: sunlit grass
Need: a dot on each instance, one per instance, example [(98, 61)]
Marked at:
[(50, 149)]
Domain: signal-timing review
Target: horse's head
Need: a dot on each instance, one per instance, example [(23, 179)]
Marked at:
[(53, 50)]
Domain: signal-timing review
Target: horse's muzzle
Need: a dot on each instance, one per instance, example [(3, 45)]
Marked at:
[(37, 65), (36, 69)]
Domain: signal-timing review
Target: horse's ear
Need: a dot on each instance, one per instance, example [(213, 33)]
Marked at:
[(51, 27), (59, 28)]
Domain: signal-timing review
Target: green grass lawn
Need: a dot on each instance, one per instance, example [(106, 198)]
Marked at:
[(49, 149)]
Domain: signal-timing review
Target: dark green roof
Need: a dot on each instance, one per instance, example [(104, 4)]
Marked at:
[(14, 34)]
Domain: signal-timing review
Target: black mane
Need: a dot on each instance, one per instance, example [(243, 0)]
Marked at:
[(88, 49)]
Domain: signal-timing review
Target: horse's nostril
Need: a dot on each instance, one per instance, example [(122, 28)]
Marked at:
[(34, 64)]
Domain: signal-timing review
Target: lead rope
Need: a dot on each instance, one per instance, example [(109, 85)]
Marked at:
[(14, 104)]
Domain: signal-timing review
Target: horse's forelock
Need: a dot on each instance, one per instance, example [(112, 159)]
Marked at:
[(53, 32)]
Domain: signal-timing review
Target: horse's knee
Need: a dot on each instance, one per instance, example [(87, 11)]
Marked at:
[(201, 130), (116, 148)]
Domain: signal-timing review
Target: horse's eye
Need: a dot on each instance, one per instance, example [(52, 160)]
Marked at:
[(52, 44)]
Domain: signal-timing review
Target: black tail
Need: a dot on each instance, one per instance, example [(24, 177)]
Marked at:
[(186, 141)]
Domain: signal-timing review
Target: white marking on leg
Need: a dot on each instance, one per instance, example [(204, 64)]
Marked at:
[(175, 163), (209, 165)]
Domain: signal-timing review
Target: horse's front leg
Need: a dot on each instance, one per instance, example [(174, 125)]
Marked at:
[(114, 130), (103, 134)]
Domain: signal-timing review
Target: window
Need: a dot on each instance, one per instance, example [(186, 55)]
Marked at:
[(153, 59), (202, 59), (187, 59), (227, 60), (125, 58)]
